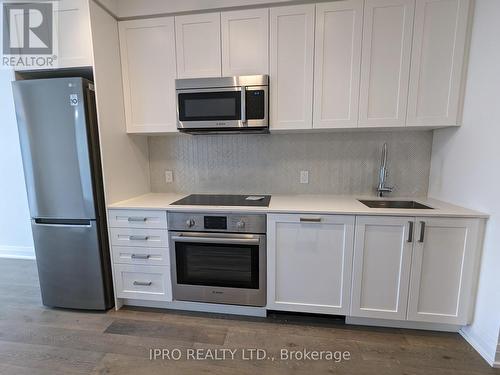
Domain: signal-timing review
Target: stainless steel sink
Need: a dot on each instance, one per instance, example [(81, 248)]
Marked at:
[(409, 205)]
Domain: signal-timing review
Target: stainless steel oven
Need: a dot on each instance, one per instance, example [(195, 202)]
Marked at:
[(218, 258), (223, 104)]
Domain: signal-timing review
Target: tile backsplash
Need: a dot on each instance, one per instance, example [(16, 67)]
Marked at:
[(338, 162)]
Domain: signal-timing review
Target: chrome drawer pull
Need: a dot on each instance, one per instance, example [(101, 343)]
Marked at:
[(138, 238), (310, 220), (143, 283), (140, 256), (137, 218)]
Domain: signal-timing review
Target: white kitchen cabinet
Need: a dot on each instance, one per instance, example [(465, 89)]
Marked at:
[(245, 42), (139, 237), (151, 283), (442, 270), (337, 63), (381, 270), (149, 71), (74, 38), (385, 66), (437, 63), (198, 45), (152, 219), (292, 54), (309, 263)]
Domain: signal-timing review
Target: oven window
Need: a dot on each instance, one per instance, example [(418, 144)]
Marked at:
[(233, 266), (210, 106)]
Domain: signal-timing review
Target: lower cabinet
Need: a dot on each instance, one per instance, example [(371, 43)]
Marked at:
[(140, 255), (381, 271), (309, 263), (143, 282), (416, 269), (443, 268)]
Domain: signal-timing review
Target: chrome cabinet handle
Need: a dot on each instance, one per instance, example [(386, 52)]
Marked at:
[(143, 283), (410, 232), (140, 256), (310, 220), (137, 218), (138, 238), (422, 232), (243, 104)]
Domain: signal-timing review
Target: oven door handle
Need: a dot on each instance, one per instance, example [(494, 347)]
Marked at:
[(215, 240)]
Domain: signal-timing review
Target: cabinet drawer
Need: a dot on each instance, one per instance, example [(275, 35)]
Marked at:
[(143, 282), (149, 256), (137, 219), (139, 237)]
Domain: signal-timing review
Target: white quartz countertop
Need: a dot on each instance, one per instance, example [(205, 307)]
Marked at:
[(303, 204)]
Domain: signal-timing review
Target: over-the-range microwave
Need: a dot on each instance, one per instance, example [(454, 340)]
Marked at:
[(223, 105)]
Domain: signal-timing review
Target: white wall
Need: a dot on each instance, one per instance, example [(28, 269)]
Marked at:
[(130, 8), (15, 227), (465, 167), (125, 158)]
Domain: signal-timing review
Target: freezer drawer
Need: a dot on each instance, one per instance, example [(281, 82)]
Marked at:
[(70, 265)]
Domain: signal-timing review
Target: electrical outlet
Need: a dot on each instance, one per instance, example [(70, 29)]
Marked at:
[(169, 177), (304, 177)]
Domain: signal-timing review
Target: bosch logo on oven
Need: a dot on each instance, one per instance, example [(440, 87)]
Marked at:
[(220, 123)]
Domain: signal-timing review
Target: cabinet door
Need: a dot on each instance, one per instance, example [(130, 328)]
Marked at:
[(385, 66), (309, 263), (442, 271), (438, 54), (149, 72), (245, 42), (337, 63), (292, 53), (72, 22), (381, 271), (75, 46), (198, 45)]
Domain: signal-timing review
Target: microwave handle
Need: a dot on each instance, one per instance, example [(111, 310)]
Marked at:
[(243, 104)]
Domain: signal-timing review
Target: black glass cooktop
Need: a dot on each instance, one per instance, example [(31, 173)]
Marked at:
[(224, 200)]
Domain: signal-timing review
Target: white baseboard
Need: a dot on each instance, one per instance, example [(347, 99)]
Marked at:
[(484, 345), (17, 252), (402, 324)]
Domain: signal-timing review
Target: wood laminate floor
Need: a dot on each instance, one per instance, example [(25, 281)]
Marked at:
[(38, 340)]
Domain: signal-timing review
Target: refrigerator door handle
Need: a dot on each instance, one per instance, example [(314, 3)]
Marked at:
[(63, 223)]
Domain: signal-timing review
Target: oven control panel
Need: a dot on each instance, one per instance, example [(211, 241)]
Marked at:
[(217, 222)]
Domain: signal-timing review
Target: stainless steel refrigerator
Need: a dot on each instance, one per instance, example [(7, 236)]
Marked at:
[(60, 150)]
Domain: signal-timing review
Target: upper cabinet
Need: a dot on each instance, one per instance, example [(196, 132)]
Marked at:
[(75, 46), (245, 42), (437, 66), (291, 77), (198, 45), (385, 66), (337, 63), (149, 71)]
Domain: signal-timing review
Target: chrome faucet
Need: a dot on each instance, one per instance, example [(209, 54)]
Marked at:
[(382, 175)]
